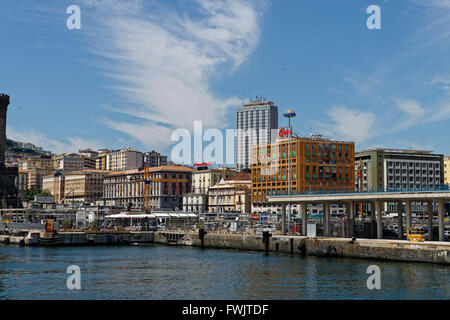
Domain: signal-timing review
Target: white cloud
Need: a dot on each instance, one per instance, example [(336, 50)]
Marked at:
[(67, 145), (413, 114), (353, 125), (442, 81), (164, 62)]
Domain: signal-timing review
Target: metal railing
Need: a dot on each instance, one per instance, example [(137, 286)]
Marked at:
[(381, 189)]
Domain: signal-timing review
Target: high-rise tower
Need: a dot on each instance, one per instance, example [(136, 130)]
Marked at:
[(254, 123)]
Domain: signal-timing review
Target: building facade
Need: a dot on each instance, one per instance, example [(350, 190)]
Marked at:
[(398, 169), (231, 195), (55, 185), (255, 123), (317, 165), (35, 176), (154, 159), (84, 186), (101, 162), (90, 157), (124, 159), (202, 180), (43, 162), (166, 187), (195, 202), (22, 181), (447, 170), (68, 162)]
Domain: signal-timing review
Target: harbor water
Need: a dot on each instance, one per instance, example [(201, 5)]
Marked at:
[(169, 272)]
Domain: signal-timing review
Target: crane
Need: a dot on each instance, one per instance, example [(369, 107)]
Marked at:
[(147, 182)]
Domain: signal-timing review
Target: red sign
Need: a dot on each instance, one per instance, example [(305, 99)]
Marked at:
[(284, 132), (203, 164)]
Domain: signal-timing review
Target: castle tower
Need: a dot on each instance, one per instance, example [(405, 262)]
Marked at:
[(8, 190), (4, 103)]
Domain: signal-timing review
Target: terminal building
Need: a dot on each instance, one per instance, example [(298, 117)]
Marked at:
[(317, 165), (399, 170)]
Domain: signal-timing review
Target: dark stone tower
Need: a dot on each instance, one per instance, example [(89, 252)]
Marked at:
[(8, 190)]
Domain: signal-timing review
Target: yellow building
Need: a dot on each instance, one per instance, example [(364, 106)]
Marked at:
[(447, 170), (202, 180), (36, 163), (231, 195)]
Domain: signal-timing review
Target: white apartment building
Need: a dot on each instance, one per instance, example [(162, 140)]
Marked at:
[(256, 122)]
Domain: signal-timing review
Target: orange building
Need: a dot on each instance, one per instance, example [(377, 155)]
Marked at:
[(317, 165)]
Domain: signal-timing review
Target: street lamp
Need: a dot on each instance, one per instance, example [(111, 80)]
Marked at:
[(289, 114)]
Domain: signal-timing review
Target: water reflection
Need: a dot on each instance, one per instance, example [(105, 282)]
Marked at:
[(161, 272)]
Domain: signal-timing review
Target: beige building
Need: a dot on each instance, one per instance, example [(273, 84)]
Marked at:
[(202, 180), (84, 185), (68, 162), (167, 186), (124, 159), (101, 162), (89, 157), (231, 195), (447, 170), (55, 185), (35, 176), (36, 163)]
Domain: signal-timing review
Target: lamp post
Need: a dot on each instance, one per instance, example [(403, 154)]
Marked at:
[(289, 114)]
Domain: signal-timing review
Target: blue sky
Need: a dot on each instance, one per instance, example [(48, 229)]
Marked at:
[(137, 70)]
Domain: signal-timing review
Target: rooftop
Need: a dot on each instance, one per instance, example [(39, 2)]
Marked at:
[(397, 150), (239, 177)]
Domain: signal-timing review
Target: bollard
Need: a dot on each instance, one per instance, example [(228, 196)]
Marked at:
[(266, 239), (201, 236)]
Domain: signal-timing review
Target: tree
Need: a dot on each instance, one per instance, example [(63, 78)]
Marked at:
[(29, 194), (44, 193)]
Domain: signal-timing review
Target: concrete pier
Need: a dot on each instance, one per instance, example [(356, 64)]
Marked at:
[(374, 249), (377, 249), (80, 238)]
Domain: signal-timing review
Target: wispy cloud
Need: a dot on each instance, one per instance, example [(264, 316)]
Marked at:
[(69, 144), (348, 124), (413, 113), (164, 62), (443, 81)]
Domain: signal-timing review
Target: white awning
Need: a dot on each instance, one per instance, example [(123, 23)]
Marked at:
[(130, 216), (161, 215)]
